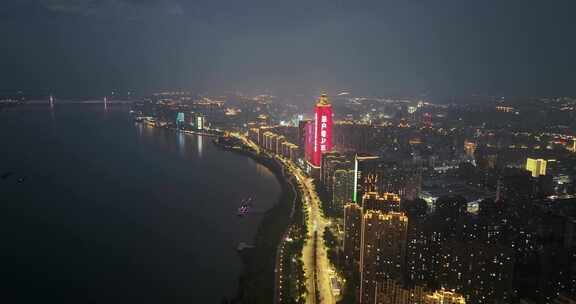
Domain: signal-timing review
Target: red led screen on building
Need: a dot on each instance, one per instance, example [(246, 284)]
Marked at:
[(322, 130)]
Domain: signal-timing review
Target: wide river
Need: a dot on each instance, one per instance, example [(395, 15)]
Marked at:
[(114, 211)]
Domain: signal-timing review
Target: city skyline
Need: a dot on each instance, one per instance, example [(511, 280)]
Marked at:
[(292, 152)]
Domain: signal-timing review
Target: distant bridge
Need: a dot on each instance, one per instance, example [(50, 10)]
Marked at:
[(90, 101)]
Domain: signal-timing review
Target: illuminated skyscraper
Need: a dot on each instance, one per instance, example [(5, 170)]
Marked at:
[(322, 129), (536, 166)]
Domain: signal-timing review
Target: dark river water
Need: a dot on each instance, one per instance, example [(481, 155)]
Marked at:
[(113, 211)]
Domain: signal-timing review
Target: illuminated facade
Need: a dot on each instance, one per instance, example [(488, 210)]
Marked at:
[(359, 165), (322, 138), (386, 202), (332, 161), (200, 122), (470, 148), (444, 297), (536, 166), (382, 250), (179, 118), (390, 292)]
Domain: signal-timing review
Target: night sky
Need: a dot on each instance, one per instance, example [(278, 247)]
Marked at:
[(454, 47)]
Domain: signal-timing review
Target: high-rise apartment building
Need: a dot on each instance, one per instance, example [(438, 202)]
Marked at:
[(331, 161), (382, 250), (376, 175), (444, 297), (481, 271), (386, 202), (390, 292), (352, 234), (362, 165), (353, 220), (342, 186)]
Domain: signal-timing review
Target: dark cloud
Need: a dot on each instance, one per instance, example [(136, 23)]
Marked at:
[(373, 46), (130, 8)]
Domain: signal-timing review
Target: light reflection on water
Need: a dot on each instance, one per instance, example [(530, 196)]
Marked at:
[(200, 142), (182, 144), (178, 142)]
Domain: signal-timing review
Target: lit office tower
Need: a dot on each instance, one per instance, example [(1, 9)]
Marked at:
[(322, 129), (352, 234), (382, 250), (536, 166)]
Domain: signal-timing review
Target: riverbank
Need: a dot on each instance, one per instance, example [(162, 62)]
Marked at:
[(258, 282)]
